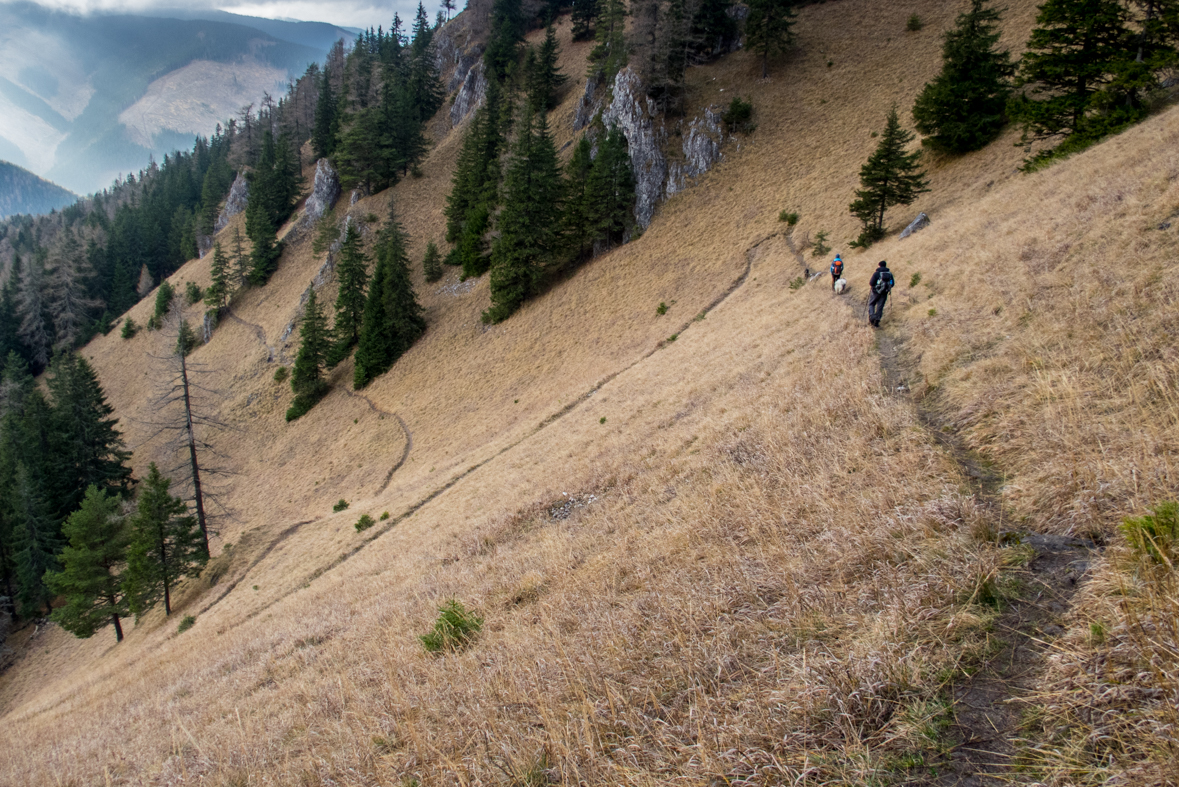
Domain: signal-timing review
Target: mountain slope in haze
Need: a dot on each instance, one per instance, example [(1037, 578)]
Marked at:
[(23, 192), (319, 36), (66, 81), (712, 539)]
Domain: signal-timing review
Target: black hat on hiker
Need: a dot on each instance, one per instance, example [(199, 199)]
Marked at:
[(882, 264)]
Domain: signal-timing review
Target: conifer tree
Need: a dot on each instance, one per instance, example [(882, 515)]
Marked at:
[(323, 137), (609, 55), (165, 545), (307, 381), (241, 262), (352, 271), (186, 339), (575, 220), (432, 263), (393, 319), (964, 107), (66, 295), (769, 29), (890, 177), (503, 41), (217, 294), (35, 542), (1072, 54), (610, 189), (30, 306), (545, 80), (266, 250), (88, 579), (529, 237), (585, 14)]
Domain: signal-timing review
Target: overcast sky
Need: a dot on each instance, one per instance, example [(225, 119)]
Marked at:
[(349, 13)]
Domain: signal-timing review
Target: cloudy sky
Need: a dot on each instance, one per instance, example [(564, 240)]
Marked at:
[(349, 13)]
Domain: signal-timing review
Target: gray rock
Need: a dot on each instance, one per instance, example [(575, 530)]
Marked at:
[(632, 112), (354, 198), (702, 150), (209, 324), (918, 224), (470, 94), (588, 106), (204, 244), (235, 203), (324, 193)]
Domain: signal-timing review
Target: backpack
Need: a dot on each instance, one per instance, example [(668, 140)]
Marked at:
[(837, 268), (884, 282)]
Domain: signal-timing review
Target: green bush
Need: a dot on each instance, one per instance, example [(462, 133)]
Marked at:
[(915, 279), (738, 117), (661, 309), (281, 374), (340, 505), (914, 24), (164, 297), (129, 328), (364, 523), (185, 624), (186, 339), (384, 515), (797, 282), (933, 312), (790, 217), (455, 628), (1155, 534), (820, 248), (192, 293), (326, 234)]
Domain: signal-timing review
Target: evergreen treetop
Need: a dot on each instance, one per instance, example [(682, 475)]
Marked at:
[(307, 379), (890, 177), (769, 29), (352, 271)]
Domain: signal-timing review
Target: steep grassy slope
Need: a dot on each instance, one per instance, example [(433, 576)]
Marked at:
[(735, 555)]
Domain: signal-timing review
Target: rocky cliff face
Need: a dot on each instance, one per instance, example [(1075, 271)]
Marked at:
[(702, 149), (470, 93), (235, 203), (324, 192), (634, 114)]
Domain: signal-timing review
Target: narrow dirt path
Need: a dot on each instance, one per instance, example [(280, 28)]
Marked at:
[(258, 330), (1032, 599)]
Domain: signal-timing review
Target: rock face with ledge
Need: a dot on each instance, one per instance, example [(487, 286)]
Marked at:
[(702, 150), (470, 94), (324, 193), (634, 114), (235, 203)]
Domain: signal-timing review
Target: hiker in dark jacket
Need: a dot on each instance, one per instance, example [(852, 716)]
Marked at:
[(879, 286), (836, 270)]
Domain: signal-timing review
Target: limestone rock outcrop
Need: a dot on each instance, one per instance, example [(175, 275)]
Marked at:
[(235, 203), (634, 115), (470, 94), (702, 150), (325, 190), (918, 224)]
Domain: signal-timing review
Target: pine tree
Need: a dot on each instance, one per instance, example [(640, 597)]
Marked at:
[(609, 55), (186, 339), (503, 40), (769, 29), (545, 80), (1072, 54), (393, 319), (585, 14), (35, 541), (266, 251), (241, 262), (66, 296), (217, 294), (575, 221), (610, 190), (352, 271), (88, 581), (964, 107), (30, 306), (323, 137), (307, 380), (890, 177), (165, 545), (432, 263), (529, 237)]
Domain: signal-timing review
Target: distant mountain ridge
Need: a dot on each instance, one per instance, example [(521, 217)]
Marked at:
[(23, 192), (66, 81)]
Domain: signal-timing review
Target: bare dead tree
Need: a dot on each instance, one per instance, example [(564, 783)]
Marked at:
[(65, 291)]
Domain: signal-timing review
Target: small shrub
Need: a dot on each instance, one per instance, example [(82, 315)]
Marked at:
[(340, 505), (830, 63), (790, 217), (914, 280), (384, 515), (1155, 534), (738, 117), (455, 628), (797, 283), (327, 233), (673, 337), (129, 328), (933, 312), (432, 263), (914, 24), (820, 247), (192, 293), (164, 297), (661, 309), (281, 374), (186, 339), (185, 624), (371, 218), (364, 523), (602, 420)]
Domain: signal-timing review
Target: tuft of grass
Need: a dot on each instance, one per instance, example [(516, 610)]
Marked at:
[(340, 505), (914, 24), (186, 623), (1154, 535), (602, 420), (797, 282), (455, 628), (790, 217), (661, 309), (281, 374), (914, 280), (932, 312), (384, 515), (364, 523)]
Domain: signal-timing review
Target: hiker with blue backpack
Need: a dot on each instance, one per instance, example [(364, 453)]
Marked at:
[(836, 270), (880, 285)]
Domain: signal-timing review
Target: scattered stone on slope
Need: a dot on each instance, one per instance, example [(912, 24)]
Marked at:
[(634, 114), (702, 150), (919, 223), (235, 203), (588, 105), (324, 193), (210, 322), (470, 94)]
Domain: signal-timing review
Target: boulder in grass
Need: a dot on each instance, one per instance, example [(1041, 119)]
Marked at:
[(919, 223)]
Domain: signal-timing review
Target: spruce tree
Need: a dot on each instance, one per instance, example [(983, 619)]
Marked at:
[(545, 80), (307, 380), (352, 272), (575, 221), (610, 190), (964, 107), (432, 263), (217, 293), (323, 137), (504, 38), (609, 55), (88, 579), (769, 29), (890, 177), (393, 319), (585, 14), (529, 224), (35, 542), (241, 262), (165, 546), (1072, 54)]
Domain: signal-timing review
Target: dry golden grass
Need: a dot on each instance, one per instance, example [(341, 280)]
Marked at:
[(767, 571)]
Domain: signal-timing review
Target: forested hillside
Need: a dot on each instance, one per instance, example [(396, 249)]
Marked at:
[(482, 411), (23, 192)]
